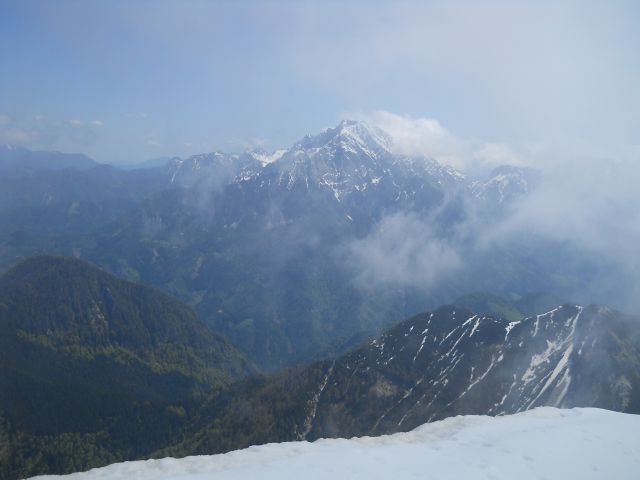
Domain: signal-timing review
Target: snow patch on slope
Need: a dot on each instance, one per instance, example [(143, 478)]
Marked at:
[(549, 443), (266, 158)]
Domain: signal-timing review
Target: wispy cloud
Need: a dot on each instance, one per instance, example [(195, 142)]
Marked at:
[(41, 132), (532, 71), (428, 137), (586, 205), (512, 73), (402, 250)]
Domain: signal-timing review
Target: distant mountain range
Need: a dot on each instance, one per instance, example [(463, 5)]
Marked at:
[(23, 160), (288, 253)]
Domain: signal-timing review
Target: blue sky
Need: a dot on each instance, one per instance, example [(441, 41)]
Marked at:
[(130, 80)]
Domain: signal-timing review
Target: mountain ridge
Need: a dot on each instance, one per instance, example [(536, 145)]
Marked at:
[(435, 365), (86, 356)]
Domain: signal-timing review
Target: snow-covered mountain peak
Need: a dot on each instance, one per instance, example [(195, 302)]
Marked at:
[(219, 167), (352, 158), (356, 158), (506, 184), (350, 136), (364, 136)]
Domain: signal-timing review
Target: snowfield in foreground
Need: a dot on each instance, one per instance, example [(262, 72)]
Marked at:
[(544, 443)]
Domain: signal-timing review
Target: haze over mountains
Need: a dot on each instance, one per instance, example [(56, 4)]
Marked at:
[(299, 253), (319, 239), (311, 257)]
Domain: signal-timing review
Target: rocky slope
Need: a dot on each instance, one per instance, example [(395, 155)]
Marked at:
[(438, 364)]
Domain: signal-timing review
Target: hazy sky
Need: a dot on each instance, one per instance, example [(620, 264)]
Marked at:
[(132, 80)]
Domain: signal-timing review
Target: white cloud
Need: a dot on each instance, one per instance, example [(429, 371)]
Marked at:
[(495, 154), (402, 250), (42, 133), (427, 137), (4, 119), (519, 70), (589, 205), (589, 202), (96, 123), (418, 136)]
